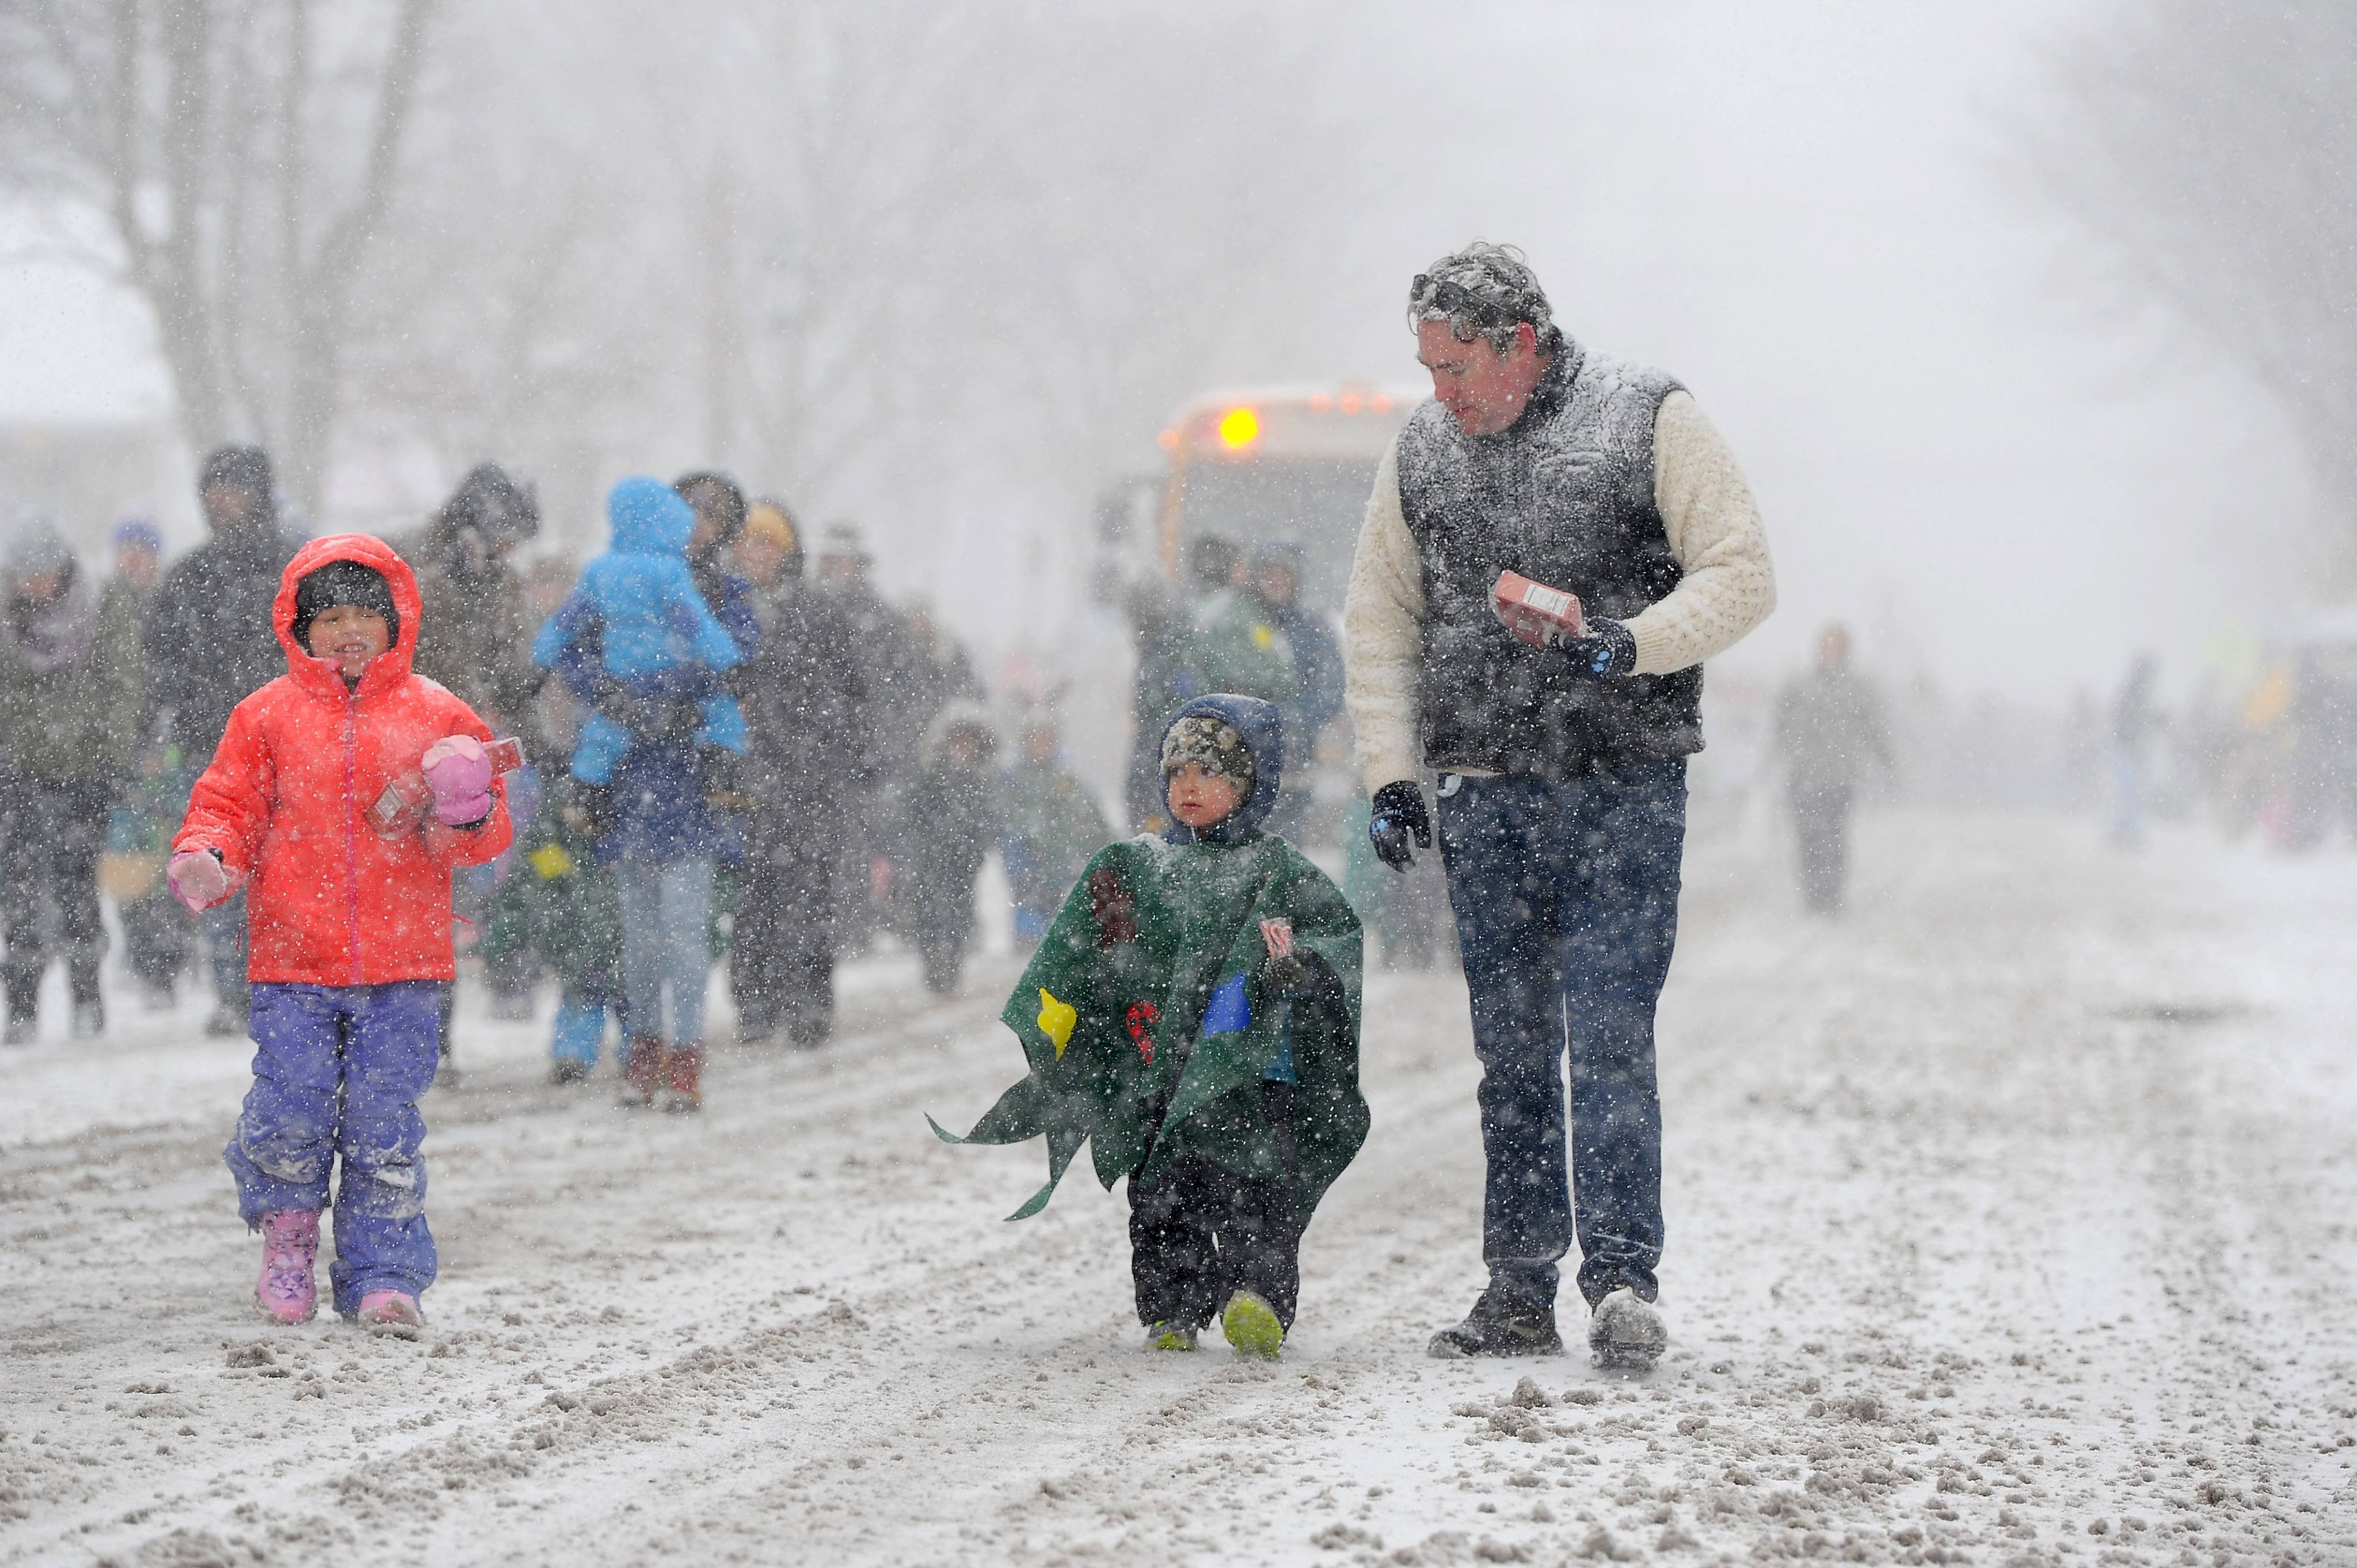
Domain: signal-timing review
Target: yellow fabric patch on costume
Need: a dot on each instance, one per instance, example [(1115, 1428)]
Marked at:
[(550, 862), (1055, 1021), (1263, 635)]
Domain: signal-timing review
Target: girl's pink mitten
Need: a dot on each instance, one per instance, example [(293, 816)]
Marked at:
[(196, 879), (459, 769)]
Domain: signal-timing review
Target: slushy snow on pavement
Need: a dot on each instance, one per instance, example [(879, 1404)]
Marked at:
[(2010, 1221)]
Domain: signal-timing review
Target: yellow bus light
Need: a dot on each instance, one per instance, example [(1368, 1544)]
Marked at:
[(1239, 428)]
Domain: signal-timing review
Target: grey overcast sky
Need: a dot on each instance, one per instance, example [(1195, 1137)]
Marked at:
[(1817, 215)]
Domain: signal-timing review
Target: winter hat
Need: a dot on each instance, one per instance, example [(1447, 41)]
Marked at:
[(138, 533), (245, 468), (709, 491), (841, 542), (766, 519), (493, 503), (36, 549), (343, 582), (1211, 740)]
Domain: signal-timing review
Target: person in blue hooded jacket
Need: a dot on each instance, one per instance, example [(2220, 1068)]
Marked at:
[(662, 817), (1193, 1015), (659, 644)]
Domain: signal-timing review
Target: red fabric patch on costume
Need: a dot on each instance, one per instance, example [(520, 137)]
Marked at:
[(1143, 1017)]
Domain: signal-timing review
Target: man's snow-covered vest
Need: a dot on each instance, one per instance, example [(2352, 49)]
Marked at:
[(1564, 496)]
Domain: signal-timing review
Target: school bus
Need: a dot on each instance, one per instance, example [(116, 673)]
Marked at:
[(1259, 464)]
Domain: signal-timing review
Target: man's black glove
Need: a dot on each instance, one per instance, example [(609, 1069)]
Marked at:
[(1604, 650), (1399, 813)]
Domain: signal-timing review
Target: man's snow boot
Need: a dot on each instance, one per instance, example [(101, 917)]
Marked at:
[(642, 1069), (1253, 1326), (569, 1069), (1502, 1323), (392, 1315), (1626, 1333), (290, 1249), (1167, 1336), (684, 1073)]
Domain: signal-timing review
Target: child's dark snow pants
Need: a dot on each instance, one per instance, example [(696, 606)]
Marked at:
[(338, 1074), (1198, 1234)]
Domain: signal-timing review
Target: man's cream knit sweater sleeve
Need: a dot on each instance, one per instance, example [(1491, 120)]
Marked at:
[(1715, 535)]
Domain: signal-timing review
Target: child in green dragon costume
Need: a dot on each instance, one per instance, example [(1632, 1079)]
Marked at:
[(1193, 1014)]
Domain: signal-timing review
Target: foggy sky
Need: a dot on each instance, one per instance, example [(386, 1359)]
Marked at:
[(1963, 440)]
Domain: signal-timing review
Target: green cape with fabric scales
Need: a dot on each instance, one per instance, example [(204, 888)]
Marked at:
[(1149, 1025)]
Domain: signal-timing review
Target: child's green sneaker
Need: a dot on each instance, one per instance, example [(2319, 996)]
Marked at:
[(1169, 1336), (1252, 1326)]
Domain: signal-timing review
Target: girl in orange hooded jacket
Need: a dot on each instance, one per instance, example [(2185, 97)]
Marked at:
[(341, 798)]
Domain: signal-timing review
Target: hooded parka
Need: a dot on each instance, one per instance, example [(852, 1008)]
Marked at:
[(286, 802)]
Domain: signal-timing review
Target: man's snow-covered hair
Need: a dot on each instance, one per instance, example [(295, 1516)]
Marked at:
[(1484, 291)]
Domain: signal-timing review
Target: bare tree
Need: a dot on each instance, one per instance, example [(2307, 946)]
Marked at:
[(2210, 146), (243, 155)]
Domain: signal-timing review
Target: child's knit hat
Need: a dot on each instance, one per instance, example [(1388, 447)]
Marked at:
[(1211, 740), (343, 582)]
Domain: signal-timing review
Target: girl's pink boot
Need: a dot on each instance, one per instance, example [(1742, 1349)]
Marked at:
[(290, 1246), (392, 1312)]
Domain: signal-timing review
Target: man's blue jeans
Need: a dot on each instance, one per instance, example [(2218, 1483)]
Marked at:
[(666, 910), (1566, 903)]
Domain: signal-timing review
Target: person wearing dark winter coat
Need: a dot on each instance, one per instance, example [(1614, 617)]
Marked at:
[(1161, 614), (949, 819), (1829, 728), (209, 645), (1561, 753), (309, 803), (1276, 570), (157, 932), (1049, 827), (70, 705), (877, 640), (477, 640), (807, 701), (1193, 1016)]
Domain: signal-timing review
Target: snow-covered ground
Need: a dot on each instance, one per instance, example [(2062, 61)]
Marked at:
[(2010, 1218)]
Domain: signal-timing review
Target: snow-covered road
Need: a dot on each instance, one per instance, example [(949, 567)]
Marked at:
[(2010, 1220)]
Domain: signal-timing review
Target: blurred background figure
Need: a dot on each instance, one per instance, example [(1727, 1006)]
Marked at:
[(474, 638), (210, 642), (814, 765), (2135, 726), (948, 812), (69, 709), (1049, 826), (1829, 726), (862, 862), (1161, 614), (1274, 570), (155, 931)]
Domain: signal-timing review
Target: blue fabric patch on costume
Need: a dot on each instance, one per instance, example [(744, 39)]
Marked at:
[(1231, 1010)]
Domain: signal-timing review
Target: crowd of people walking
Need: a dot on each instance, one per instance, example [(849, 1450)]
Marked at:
[(820, 768)]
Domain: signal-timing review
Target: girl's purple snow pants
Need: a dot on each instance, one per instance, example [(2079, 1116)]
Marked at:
[(338, 1073)]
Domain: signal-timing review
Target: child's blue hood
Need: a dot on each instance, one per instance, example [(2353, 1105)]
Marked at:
[(649, 519), (1256, 722)]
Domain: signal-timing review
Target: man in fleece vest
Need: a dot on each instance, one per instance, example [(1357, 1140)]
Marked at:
[(1561, 768)]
